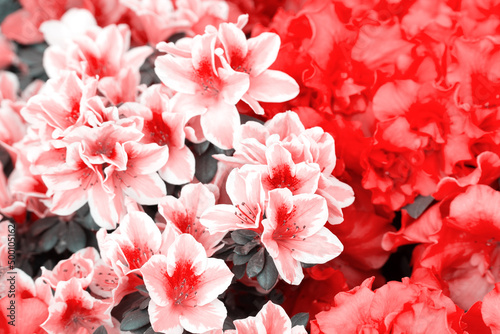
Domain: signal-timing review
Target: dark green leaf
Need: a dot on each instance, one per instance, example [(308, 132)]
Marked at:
[(84, 218), (307, 265), (238, 271), (49, 238), (76, 237), (101, 330), (49, 264), (241, 259), (245, 249), (206, 165), (418, 206), (241, 237), (140, 330), (201, 148), (256, 263), (150, 330), (7, 7), (144, 304), (43, 224), (135, 320), (62, 245), (269, 275), (300, 319)]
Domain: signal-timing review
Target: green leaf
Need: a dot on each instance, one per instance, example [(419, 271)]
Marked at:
[(241, 259), (242, 237), (256, 263), (238, 271), (43, 224), (101, 330), (269, 275), (62, 232), (135, 320), (7, 7), (144, 304), (75, 237), (200, 148), (418, 206), (84, 218), (245, 249), (300, 319), (49, 239), (206, 165), (150, 330)]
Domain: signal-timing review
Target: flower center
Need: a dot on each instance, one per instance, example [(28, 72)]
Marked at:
[(246, 213)]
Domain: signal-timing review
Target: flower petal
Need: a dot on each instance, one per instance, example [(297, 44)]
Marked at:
[(273, 86)]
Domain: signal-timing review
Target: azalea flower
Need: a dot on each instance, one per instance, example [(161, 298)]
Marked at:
[(98, 53), (184, 214), (248, 198), (80, 265), (396, 307), (270, 319), (74, 308), (204, 89), (254, 57), (131, 245), (165, 127), (32, 302), (282, 172), (294, 232), (183, 286)]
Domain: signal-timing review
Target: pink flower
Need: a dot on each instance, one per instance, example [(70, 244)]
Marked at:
[(75, 22), (397, 307), (282, 172), (139, 179), (489, 309), (99, 53), (305, 148), (270, 319), (80, 177), (246, 193), (161, 19), (254, 56), (70, 180), (184, 214), (131, 245), (61, 105), (106, 283), (203, 88), (8, 56), (22, 25), (12, 126), (80, 265), (32, 302), (165, 127), (74, 308), (294, 232), (183, 286)]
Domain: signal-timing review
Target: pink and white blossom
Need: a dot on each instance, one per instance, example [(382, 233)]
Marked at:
[(184, 214), (183, 286), (74, 308), (271, 318), (295, 233)]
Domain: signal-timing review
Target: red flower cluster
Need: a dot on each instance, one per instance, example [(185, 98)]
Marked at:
[(334, 161)]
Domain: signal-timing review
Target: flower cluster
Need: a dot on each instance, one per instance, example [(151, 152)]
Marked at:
[(237, 167)]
